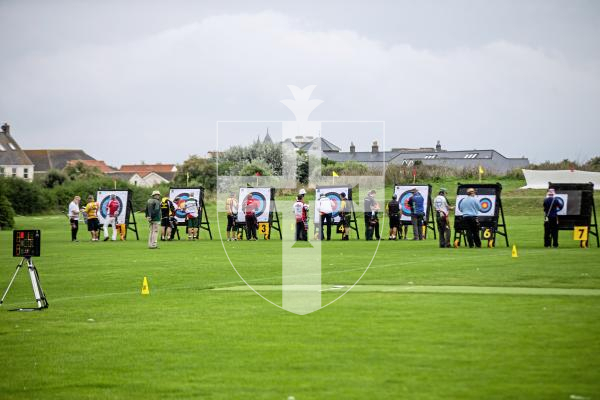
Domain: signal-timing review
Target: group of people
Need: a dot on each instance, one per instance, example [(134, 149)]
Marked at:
[(90, 216), (249, 207), (161, 212), (161, 215)]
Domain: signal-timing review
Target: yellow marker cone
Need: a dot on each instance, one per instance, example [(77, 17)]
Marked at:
[(145, 287), (514, 251)]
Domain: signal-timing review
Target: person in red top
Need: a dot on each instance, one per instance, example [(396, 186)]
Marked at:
[(250, 206), (112, 211)]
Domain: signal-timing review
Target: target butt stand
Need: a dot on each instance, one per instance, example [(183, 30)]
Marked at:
[(26, 244)]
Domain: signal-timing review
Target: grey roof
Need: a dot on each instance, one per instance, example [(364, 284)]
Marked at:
[(45, 159), (123, 176), (361, 156), (326, 145), (425, 155), (11, 153)]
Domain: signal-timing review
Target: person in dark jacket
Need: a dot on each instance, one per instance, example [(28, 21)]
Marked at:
[(551, 209), (416, 202), (371, 209), (153, 217), (393, 209)]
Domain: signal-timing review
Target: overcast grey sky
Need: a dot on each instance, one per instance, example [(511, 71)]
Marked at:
[(132, 81)]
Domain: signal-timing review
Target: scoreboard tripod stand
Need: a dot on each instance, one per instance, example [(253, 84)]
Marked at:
[(38, 292), (26, 244)]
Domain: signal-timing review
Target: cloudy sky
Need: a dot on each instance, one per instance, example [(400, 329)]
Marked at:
[(131, 81)]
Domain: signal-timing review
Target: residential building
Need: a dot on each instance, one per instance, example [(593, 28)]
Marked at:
[(13, 160)]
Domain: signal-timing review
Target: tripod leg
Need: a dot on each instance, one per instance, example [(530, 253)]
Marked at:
[(11, 281), (35, 284)]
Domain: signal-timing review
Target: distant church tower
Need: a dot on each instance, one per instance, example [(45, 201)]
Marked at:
[(268, 138), (438, 146)]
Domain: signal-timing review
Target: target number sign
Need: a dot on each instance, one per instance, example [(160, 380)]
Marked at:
[(264, 228), (580, 233)]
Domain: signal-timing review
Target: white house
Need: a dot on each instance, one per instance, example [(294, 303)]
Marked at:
[(13, 161)]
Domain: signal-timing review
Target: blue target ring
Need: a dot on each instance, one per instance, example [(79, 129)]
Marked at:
[(404, 207), (560, 203), (485, 204), (104, 206), (336, 201)]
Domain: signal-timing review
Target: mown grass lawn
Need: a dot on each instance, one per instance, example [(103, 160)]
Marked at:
[(100, 338)]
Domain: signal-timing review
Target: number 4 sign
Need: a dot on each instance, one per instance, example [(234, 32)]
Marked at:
[(580, 233)]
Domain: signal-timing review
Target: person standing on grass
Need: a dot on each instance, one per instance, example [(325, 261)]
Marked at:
[(470, 207), (442, 212), (153, 217), (393, 210), (371, 208), (345, 216), (325, 211), (231, 208), (74, 211), (112, 211), (91, 210), (166, 210), (551, 209), (300, 212), (249, 206), (192, 214), (416, 202)]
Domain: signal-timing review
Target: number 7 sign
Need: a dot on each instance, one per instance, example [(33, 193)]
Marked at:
[(580, 233)]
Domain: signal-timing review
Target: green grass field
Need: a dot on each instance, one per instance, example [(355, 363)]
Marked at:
[(423, 323)]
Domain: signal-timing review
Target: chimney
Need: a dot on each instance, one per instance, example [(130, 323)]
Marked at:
[(438, 146), (375, 147), (352, 147), (6, 129)]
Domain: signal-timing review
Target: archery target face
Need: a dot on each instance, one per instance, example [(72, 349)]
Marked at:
[(182, 195), (263, 196), (487, 202), (562, 200), (404, 193), (103, 197), (334, 194)]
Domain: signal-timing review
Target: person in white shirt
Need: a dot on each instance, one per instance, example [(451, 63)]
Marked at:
[(192, 216), (325, 210), (442, 213), (74, 211), (301, 213)]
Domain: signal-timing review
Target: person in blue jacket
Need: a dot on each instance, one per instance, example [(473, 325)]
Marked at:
[(416, 202), (470, 207), (551, 209)]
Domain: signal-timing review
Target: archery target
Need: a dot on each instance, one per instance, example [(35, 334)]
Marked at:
[(263, 196), (179, 196), (103, 197), (404, 193), (334, 194), (487, 204)]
